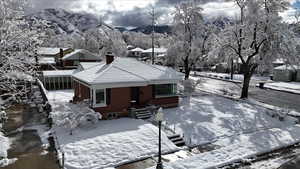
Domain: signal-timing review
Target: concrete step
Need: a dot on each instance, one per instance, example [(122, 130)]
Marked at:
[(173, 136), (143, 113), (143, 117), (179, 143), (176, 139)]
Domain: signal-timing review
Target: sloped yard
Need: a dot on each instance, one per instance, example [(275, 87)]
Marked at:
[(207, 118)]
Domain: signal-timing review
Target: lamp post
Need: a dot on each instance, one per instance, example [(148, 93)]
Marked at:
[(159, 119)]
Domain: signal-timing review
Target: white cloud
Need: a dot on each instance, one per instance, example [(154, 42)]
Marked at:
[(215, 9), (98, 6)]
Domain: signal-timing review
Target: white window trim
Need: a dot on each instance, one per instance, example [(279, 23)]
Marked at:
[(167, 95), (94, 99)]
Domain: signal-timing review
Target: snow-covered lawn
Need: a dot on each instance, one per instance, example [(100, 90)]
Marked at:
[(236, 77), (111, 143), (105, 143), (206, 118), (217, 86), (293, 87), (240, 147)]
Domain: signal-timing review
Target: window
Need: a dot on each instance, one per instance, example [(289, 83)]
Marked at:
[(76, 62), (100, 96), (165, 90)]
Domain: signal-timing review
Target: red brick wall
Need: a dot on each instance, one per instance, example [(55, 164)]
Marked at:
[(166, 101), (145, 95), (81, 92), (121, 97), (120, 102)]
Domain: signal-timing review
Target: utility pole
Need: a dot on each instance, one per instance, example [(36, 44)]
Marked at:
[(152, 14)]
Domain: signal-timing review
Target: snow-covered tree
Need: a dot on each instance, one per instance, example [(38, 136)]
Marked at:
[(191, 37), (254, 38), (18, 43)]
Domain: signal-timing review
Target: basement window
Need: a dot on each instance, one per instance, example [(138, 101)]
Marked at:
[(165, 90)]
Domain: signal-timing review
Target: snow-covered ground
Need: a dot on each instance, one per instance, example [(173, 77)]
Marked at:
[(111, 143), (60, 95), (240, 147), (236, 77), (4, 141), (4, 146), (105, 143), (293, 87), (217, 86), (207, 118)]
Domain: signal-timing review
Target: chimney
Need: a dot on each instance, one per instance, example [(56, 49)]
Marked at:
[(109, 58)]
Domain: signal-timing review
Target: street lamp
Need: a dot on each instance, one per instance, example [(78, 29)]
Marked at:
[(159, 119)]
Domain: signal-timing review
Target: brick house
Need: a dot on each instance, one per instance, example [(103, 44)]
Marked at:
[(118, 84)]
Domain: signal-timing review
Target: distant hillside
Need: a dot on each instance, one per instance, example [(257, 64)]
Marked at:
[(63, 21)]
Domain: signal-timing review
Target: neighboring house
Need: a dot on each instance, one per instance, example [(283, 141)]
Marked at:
[(136, 52), (119, 83), (48, 56), (278, 62), (157, 52), (71, 60), (285, 73)]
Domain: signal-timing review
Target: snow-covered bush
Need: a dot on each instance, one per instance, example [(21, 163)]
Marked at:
[(71, 116), (3, 118)]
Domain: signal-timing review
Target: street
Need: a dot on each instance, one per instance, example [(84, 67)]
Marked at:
[(272, 97)]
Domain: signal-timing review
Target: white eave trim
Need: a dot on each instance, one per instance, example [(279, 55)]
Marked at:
[(118, 85)]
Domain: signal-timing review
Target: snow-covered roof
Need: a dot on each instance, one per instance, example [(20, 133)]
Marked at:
[(87, 65), (156, 50), (47, 60), (58, 73), (81, 54), (124, 72), (137, 50), (279, 61), (287, 67), (49, 51)]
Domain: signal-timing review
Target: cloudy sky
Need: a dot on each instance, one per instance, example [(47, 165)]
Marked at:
[(136, 12)]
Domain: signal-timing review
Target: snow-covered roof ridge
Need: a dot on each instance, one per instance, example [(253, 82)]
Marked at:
[(287, 67), (157, 50), (137, 50), (49, 50), (127, 70), (78, 51)]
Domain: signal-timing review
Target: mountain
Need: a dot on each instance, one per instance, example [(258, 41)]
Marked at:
[(157, 29), (63, 21)]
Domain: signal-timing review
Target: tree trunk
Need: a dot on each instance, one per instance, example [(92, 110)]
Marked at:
[(187, 74), (246, 83), (187, 70)]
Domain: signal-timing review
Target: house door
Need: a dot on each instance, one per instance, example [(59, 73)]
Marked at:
[(135, 95)]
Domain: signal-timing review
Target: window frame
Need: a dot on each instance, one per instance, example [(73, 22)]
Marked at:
[(95, 101), (174, 89)]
